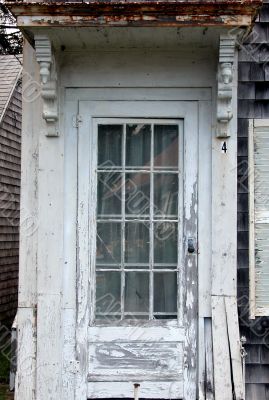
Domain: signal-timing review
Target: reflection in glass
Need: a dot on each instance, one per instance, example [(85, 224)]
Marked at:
[(165, 242), (165, 194), (137, 193), (136, 292), (109, 193), (108, 243), (108, 290), (138, 145), (109, 145), (165, 145), (165, 292), (137, 242)]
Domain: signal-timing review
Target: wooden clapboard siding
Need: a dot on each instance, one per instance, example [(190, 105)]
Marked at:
[(10, 144), (253, 95)]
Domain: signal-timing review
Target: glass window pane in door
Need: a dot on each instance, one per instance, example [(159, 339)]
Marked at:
[(108, 291), (110, 145), (137, 292), (165, 242), (165, 146), (109, 194), (108, 243), (137, 193), (165, 194), (136, 242), (165, 292), (138, 139)]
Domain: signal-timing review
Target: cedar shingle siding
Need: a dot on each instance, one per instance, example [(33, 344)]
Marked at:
[(10, 143), (253, 102)]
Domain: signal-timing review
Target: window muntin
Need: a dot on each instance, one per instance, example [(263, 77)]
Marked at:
[(139, 197)]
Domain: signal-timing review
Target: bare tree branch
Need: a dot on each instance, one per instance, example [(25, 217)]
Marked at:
[(10, 42)]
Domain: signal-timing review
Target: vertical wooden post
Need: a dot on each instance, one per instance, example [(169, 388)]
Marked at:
[(224, 244), (50, 265), (31, 109)]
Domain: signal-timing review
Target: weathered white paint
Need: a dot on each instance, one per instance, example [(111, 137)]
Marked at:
[(251, 218), (144, 109), (140, 361), (27, 301), (163, 390), (221, 352), (180, 21), (48, 78), (209, 364), (201, 359), (228, 372), (224, 208), (225, 84), (205, 209), (70, 250), (235, 347), (25, 387), (168, 332), (258, 221), (112, 71), (50, 266)]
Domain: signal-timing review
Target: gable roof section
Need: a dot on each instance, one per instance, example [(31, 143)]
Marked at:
[(10, 71)]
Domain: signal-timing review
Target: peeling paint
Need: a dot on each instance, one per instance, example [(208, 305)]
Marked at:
[(158, 13)]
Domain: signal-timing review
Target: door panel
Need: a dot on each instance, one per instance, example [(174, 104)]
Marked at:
[(157, 390), (140, 223)]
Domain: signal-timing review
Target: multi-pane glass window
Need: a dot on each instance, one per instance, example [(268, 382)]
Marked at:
[(139, 202)]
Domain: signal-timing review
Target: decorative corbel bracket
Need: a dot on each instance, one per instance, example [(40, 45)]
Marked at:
[(48, 78), (225, 85)]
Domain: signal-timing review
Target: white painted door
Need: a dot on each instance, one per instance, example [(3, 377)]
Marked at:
[(137, 258)]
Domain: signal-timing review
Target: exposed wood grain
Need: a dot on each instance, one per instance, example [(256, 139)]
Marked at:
[(251, 208), (83, 266), (205, 211), (258, 177), (50, 265), (235, 345), (149, 390), (136, 361), (221, 353), (26, 356), (209, 364), (224, 200), (70, 252), (201, 359), (147, 109)]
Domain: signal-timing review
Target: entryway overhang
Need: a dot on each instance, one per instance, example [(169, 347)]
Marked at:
[(136, 13)]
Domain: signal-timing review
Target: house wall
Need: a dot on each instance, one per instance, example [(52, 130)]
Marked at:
[(10, 169), (253, 92)]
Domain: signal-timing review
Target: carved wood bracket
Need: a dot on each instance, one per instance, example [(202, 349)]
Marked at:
[(48, 76), (225, 85)]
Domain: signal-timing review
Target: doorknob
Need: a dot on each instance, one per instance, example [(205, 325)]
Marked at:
[(191, 248)]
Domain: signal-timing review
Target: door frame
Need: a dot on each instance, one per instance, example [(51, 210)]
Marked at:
[(187, 101)]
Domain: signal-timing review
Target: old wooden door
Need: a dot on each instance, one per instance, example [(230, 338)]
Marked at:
[(137, 256)]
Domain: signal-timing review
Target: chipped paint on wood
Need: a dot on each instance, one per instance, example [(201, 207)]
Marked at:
[(190, 298), (259, 221), (235, 347), (157, 390), (134, 20), (188, 111), (221, 355), (140, 361), (142, 13)]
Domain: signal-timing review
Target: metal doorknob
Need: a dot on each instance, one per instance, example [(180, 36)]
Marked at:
[(191, 248)]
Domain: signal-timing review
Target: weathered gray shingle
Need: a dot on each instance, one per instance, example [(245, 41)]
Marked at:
[(10, 68)]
